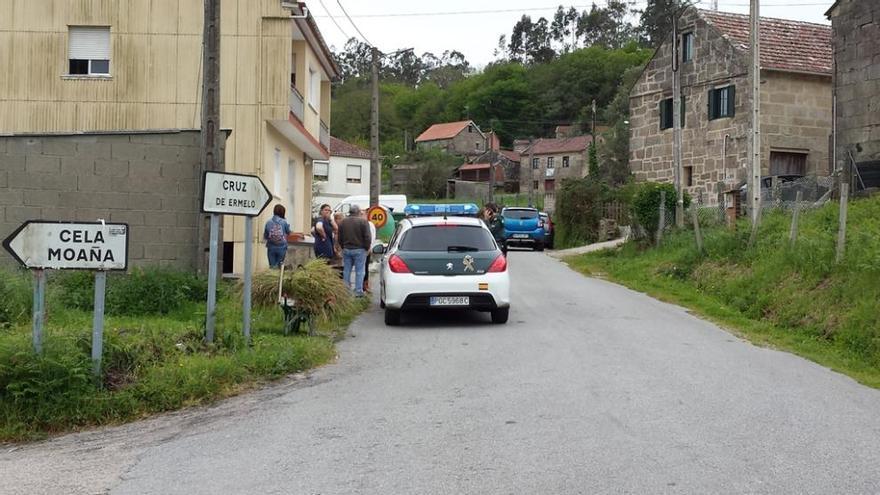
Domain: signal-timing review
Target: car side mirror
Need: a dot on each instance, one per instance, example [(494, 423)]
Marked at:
[(379, 249)]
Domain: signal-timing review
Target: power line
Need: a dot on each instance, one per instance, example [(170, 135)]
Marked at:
[(538, 9), (352, 23), (347, 37)]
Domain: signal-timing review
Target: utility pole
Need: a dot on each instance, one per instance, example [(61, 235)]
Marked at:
[(593, 124), (375, 173), (211, 158), (755, 151), (531, 173), (676, 124)]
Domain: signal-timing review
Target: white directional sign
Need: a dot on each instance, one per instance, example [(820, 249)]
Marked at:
[(234, 194), (62, 245)]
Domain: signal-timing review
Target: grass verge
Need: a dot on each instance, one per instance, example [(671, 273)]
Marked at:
[(794, 298), (151, 363)]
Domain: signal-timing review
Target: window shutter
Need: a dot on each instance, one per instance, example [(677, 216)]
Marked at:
[(713, 104), (89, 43), (353, 172), (662, 114), (731, 100)]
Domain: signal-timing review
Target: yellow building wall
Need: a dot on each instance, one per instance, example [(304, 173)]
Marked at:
[(155, 81)]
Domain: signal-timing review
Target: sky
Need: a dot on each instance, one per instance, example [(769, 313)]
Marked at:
[(476, 34)]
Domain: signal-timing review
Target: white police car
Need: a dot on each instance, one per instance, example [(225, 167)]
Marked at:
[(443, 263)]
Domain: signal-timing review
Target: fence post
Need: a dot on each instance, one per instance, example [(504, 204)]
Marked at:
[(841, 234), (697, 234), (792, 236), (661, 223)]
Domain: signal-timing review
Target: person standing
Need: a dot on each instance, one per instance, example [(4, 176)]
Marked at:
[(369, 257), (495, 222), (275, 234), (325, 233), (354, 237)]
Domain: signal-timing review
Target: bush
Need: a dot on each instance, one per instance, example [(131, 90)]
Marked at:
[(646, 205), (141, 292), (15, 297), (578, 211)]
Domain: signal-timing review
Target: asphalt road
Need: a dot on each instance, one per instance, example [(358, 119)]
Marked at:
[(590, 388)]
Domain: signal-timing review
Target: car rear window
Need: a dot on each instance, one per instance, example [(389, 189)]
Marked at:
[(520, 214), (443, 237)]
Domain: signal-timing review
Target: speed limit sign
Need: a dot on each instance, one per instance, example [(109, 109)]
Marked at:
[(378, 216)]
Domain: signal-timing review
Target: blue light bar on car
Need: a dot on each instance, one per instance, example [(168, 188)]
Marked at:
[(450, 209)]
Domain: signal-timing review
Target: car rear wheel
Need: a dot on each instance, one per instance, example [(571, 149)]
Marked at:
[(499, 315), (392, 317)]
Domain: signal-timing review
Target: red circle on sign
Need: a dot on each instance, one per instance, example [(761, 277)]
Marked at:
[(378, 216)]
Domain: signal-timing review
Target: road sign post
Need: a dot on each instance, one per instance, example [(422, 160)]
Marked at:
[(231, 194), (42, 244)]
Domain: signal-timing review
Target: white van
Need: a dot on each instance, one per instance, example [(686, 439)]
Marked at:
[(394, 202)]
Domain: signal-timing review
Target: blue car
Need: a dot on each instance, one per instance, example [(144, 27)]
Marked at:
[(523, 227)]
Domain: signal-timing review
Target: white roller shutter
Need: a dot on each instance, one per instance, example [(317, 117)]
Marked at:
[(89, 43)]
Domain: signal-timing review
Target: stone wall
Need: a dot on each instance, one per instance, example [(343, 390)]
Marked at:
[(577, 168), (148, 180), (716, 149), (796, 116), (856, 39)]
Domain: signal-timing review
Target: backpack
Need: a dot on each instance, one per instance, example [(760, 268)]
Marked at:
[(276, 233)]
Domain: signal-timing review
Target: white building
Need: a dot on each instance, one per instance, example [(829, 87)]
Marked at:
[(346, 174)]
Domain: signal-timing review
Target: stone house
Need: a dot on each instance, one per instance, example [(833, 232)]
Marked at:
[(133, 69), (549, 161), (855, 26), (458, 138), (796, 107), (506, 164)]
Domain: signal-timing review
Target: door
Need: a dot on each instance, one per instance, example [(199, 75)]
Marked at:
[(786, 163)]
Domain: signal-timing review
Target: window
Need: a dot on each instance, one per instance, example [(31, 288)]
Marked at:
[(314, 88), (276, 184), (89, 51), (477, 145), (535, 184), (470, 129), (535, 163), (687, 47), (550, 161), (549, 185), (721, 102), (436, 238), (787, 163), (353, 174), (565, 162), (321, 170), (666, 113), (291, 182), (688, 176)]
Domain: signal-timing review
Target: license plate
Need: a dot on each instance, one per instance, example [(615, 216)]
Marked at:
[(450, 301), (520, 236)]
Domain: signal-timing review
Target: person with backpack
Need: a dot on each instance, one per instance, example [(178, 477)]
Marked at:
[(275, 234)]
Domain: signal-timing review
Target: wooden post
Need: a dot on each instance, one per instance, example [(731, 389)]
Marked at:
[(697, 234), (841, 233), (792, 236), (662, 220)]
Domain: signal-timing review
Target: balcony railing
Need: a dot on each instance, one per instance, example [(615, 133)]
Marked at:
[(325, 135), (297, 103)]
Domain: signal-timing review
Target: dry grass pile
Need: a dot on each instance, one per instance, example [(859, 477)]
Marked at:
[(315, 287)]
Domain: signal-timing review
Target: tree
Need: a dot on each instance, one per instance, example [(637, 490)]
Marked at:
[(655, 20)]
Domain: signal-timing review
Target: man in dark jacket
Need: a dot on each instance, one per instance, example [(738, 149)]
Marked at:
[(495, 222), (354, 237)]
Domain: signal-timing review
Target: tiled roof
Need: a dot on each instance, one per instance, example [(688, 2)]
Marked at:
[(785, 45), (474, 166), (550, 146), (447, 130), (339, 147), (511, 155)]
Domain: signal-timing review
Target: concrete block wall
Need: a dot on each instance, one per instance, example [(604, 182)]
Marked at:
[(149, 181)]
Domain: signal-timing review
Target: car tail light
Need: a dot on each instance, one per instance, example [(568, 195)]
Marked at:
[(397, 265), (499, 265)]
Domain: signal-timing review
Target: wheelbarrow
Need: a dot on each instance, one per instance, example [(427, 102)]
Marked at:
[(296, 317)]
